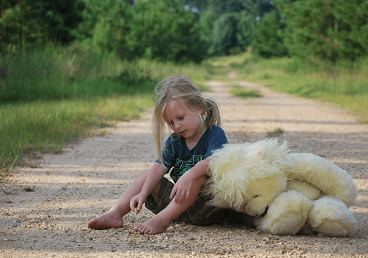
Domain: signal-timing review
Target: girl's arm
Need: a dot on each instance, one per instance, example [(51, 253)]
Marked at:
[(156, 172), (183, 187)]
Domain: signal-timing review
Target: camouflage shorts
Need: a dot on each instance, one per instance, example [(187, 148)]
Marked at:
[(199, 213)]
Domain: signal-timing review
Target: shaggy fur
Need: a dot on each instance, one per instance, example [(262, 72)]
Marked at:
[(331, 217), (286, 215), (322, 174), (246, 174), (251, 177)]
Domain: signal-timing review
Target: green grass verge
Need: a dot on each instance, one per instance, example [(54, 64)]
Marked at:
[(54, 96), (344, 86), (82, 93), (47, 126)]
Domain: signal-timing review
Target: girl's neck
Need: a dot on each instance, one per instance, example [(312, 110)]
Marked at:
[(191, 143)]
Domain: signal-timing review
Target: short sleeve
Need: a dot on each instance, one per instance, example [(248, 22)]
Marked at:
[(169, 153), (216, 140)]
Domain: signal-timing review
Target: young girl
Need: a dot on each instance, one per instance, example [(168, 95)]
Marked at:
[(195, 123)]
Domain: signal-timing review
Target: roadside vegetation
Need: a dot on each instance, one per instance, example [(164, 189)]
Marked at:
[(52, 97), (69, 68), (344, 84), (63, 97)]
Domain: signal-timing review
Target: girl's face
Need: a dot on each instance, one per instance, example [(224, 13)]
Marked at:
[(183, 119)]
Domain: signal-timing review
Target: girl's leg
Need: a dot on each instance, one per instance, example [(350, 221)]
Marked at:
[(114, 217), (162, 220)]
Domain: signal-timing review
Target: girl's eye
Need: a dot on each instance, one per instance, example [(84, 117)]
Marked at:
[(181, 118)]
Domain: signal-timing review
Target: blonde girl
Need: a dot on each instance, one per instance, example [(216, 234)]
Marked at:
[(195, 124)]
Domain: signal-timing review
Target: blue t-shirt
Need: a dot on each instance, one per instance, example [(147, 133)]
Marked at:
[(180, 158)]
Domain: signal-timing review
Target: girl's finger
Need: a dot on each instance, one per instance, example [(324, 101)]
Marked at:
[(173, 193), (133, 205)]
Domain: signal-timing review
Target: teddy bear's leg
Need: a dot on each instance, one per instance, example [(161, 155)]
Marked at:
[(286, 215), (331, 217)]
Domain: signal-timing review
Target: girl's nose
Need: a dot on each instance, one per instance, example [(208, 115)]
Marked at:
[(177, 126)]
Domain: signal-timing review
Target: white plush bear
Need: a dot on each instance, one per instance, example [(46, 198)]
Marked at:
[(287, 193)]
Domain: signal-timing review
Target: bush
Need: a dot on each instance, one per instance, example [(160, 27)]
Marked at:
[(326, 30), (267, 40), (54, 74), (163, 30)]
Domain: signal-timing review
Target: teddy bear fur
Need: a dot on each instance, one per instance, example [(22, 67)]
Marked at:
[(287, 193)]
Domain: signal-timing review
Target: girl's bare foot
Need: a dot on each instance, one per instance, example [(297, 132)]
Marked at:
[(153, 226), (109, 219)]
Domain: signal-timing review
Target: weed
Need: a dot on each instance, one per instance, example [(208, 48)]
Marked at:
[(245, 93), (276, 132)]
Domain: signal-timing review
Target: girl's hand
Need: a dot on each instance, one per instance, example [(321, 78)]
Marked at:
[(136, 203), (182, 188)]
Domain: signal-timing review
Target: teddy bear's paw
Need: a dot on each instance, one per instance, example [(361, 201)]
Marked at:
[(286, 215), (331, 217), (256, 207)]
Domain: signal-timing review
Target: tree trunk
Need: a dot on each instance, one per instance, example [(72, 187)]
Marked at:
[(20, 32)]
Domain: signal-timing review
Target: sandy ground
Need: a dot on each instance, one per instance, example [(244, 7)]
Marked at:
[(44, 210)]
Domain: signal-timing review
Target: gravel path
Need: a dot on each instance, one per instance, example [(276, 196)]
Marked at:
[(44, 210)]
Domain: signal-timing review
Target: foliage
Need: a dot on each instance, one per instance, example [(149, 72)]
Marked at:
[(206, 21), (246, 27), (163, 30), (227, 25), (63, 73), (326, 30), (105, 25), (46, 126), (224, 33), (35, 22), (267, 41)]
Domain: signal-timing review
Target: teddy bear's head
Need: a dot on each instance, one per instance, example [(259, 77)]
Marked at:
[(245, 177)]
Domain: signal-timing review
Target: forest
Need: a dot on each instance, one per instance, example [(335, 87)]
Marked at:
[(69, 65), (190, 30)]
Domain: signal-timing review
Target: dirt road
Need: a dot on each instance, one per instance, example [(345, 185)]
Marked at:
[(44, 210)]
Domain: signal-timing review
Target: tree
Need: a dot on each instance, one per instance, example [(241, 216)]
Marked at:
[(230, 23), (328, 30), (163, 30), (224, 33), (37, 21), (246, 28), (105, 24), (206, 21), (267, 40)]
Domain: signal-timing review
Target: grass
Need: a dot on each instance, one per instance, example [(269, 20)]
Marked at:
[(276, 132), (55, 96), (198, 73), (245, 93), (340, 85), (46, 126)]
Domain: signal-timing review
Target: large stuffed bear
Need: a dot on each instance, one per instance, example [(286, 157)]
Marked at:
[(286, 193)]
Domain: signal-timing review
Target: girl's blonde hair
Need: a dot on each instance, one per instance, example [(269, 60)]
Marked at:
[(182, 89)]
